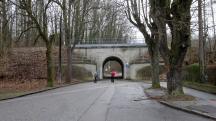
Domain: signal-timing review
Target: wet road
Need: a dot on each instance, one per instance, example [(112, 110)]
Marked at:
[(103, 101)]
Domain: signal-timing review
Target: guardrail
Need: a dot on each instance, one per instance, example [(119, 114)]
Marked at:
[(112, 41)]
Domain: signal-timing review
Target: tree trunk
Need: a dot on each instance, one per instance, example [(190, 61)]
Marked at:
[(5, 28), (180, 45), (50, 71), (201, 44), (60, 51), (154, 54), (213, 45), (69, 65), (67, 37), (180, 30), (174, 84)]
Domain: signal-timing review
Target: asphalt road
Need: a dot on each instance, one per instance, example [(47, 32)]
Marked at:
[(103, 101)]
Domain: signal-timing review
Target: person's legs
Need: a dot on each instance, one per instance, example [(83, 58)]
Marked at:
[(95, 80), (112, 79)]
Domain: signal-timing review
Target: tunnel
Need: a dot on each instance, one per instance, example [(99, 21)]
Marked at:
[(113, 64)]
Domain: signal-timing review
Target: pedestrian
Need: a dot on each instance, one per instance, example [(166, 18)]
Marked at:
[(95, 77), (113, 73)]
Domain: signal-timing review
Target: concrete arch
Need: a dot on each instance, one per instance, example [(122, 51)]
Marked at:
[(125, 54), (102, 58), (114, 58)]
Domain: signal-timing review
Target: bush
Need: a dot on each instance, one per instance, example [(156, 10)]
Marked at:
[(211, 69), (145, 73), (191, 73), (77, 73)]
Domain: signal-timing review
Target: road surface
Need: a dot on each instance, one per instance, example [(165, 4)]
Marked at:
[(103, 101)]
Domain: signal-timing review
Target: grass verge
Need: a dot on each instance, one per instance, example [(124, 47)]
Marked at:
[(201, 87), (11, 94)]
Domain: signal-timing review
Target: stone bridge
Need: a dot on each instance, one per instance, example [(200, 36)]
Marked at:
[(126, 54)]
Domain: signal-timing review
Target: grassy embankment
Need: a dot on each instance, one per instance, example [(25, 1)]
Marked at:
[(191, 79)]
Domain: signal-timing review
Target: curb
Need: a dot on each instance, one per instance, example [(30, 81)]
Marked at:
[(39, 91), (182, 108), (187, 110)]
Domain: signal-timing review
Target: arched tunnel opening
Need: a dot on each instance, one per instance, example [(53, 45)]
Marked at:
[(113, 64)]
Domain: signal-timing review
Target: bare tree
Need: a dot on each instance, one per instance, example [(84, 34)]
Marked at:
[(42, 28), (213, 48), (4, 27), (175, 14), (136, 15), (66, 7), (202, 63), (178, 16)]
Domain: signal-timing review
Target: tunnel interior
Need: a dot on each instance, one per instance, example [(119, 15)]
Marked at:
[(113, 64)]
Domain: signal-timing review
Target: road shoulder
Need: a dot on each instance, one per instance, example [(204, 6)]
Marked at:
[(198, 106)]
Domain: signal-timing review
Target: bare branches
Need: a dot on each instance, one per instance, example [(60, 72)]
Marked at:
[(134, 13), (21, 34)]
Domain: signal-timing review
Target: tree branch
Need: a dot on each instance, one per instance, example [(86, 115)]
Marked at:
[(24, 32)]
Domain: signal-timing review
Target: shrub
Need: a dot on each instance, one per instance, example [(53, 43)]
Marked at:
[(77, 73), (191, 73), (145, 73)]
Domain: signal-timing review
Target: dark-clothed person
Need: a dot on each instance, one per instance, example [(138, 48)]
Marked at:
[(113, 74)]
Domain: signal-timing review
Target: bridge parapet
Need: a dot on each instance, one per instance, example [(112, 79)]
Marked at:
[(143, 59), (111, 45), (113, 41)]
